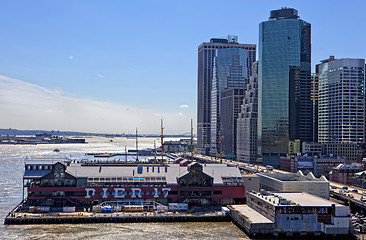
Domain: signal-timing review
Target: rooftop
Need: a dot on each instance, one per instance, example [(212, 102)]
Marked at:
[(221, 173), (299, 176), (294, 199), (251, 215), (284, 13)]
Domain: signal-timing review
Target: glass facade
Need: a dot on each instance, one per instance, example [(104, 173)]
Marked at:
[(230, 71), (284, 84), (206, 55)]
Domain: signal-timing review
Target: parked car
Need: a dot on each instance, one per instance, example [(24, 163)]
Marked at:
[(354, 190)]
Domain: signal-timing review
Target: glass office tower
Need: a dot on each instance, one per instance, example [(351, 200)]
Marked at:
[(206, 55), (284, 83), (230, 71)]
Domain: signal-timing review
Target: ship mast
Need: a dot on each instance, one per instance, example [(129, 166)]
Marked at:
[(162, 140), (154, 151), (191, 139), (137, 148)]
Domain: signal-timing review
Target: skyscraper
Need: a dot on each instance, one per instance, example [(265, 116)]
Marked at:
[(314, 101), (342, 100), (247, 121), (206, 55), (230, 71), (284, 83), (231, 101)]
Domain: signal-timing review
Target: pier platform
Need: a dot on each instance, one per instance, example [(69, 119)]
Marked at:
[(250, 221), (119, 217)]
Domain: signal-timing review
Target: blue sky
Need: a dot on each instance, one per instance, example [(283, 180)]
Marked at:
[(138, 55)]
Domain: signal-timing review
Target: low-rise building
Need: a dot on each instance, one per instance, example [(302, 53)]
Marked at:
[(295, 182), (345, 173), (350, 151), (347, 150), (64, 183), (312, 148), (319, 165), (300, 212), (323, 165), (183, 145)]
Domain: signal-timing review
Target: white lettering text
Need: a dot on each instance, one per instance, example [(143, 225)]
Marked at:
[(118, 193), (88, 191), (134, 190)]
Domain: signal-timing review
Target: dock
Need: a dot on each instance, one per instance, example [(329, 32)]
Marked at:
[(250, 221), (120, 217)]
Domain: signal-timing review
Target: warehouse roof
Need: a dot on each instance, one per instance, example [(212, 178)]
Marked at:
[(170, 172)]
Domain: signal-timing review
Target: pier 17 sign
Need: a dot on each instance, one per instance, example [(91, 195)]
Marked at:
[(122, 192)]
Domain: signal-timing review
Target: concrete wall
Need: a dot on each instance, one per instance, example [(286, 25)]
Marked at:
[(251, 183), (318, 188), (298, 223)]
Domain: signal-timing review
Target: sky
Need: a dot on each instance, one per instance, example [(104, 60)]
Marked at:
[(114, 66)]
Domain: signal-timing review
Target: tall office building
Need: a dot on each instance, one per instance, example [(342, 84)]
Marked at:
[(231, 102), (247, 121), (230, 71), (206, 55), (342, 100), (284, 84), (314, 101)]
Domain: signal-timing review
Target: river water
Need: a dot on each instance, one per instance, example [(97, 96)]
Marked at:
[(11, 172)]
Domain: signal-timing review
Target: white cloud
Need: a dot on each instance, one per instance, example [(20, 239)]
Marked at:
[(28, 106), (52, 111), (180, 114), (100, 76), (71, 57), (184, 106)]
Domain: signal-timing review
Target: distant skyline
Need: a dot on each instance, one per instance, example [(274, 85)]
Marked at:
[(112, 66)]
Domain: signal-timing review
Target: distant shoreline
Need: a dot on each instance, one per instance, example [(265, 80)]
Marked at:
[(14, 132)]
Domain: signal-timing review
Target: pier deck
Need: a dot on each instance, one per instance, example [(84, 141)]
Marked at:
[(118, 217), (250, 220)]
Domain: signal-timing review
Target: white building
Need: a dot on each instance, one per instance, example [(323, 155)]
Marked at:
[(342, 100), (300, 212), (295, 182)]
